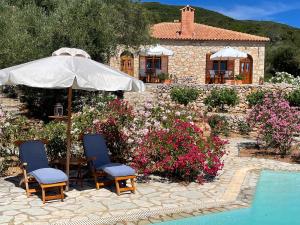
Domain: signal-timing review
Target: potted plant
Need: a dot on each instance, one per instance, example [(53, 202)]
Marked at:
[(232, 82), (261, 81), (164, 78), (239, 79)]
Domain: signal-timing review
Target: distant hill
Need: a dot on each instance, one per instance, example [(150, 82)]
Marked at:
[(280, 34)]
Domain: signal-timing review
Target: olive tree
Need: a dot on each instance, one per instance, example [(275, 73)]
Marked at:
[(32, 29)]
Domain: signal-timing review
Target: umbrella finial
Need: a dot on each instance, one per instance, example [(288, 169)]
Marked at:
[(71, 52)]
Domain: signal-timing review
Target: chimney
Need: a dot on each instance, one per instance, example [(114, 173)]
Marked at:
[(187, 21)]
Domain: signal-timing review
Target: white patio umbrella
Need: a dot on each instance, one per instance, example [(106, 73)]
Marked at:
[(157, 50), (228, 53), (72, 72)]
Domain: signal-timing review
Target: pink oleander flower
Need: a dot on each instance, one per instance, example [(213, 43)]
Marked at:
[(277, 122), (96, 121), (179, 151)]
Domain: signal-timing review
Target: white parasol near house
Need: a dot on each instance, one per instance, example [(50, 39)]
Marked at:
[(228, 53), (157, 50), (72, 69)]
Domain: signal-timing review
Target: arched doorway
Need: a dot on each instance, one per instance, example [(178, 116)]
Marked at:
[(127, 64), (246, 69)]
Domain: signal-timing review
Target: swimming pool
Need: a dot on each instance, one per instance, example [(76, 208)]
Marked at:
[(276, 202)]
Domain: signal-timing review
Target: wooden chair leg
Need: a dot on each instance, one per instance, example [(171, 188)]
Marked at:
[(62, 193), (43, 195), (27, 188), (22, 181), (117, 187), (26, 181), (132, 185), (96, 181)]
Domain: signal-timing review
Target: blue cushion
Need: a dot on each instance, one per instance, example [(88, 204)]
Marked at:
[(108, 165), (94, 146), (34, 154), (118, 170), (49, 176)]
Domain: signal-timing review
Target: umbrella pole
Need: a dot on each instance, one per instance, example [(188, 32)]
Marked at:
[(69, 124)]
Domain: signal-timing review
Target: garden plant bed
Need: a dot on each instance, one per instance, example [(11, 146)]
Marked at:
[(255, 151)]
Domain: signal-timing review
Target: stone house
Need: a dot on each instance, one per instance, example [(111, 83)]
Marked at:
[(192, 45)]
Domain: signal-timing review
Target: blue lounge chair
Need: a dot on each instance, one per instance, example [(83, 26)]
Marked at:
[(97, 155), (36, 168)]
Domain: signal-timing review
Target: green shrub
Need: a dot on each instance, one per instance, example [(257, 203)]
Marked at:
[(4, 162), (55, 134), (239, 77), (163, 76), (17, 128), (243, 127), (255, 97), (219, 125), (294, 98), (184, 95), (218, 98)]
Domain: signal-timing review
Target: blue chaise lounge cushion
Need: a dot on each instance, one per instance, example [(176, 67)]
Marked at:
[(49, 176), (118, 170)]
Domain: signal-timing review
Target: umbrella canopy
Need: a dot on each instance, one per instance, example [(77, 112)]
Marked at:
[(71, 52), (157, 50), (228, 53), (69, 71)]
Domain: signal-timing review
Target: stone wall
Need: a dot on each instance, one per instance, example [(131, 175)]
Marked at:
[(189, 59), (161, 92)]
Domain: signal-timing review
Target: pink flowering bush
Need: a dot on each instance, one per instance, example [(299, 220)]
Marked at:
[(277, 122), (118, 115), (179, 151), (152, 117), (157, 138), (121, 111)]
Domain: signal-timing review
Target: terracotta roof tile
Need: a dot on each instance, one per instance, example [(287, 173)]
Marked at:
[(202, 32)]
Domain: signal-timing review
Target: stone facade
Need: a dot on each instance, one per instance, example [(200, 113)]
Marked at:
[(189, 59), (192, 44), (115, 61)]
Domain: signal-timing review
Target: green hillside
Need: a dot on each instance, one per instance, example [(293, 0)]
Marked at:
[(281, 35)]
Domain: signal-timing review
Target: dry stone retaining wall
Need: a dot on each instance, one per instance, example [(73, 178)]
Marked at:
[(161, 92)]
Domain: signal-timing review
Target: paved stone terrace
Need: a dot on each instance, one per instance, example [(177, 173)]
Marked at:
[(153, 202)]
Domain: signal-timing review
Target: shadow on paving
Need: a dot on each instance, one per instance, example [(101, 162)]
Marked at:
[(88, 184)]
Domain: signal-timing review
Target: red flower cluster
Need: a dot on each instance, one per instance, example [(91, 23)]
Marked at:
[(119, 114), (120, 110), (180, 152)]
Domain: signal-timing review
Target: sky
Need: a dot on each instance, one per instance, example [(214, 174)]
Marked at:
[(282, 11)]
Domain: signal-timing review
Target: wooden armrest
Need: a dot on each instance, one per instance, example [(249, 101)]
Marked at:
[(91, 158), (23, 165), (80, 138), (82, 160)]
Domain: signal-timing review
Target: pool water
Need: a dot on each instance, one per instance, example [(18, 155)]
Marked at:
[(276, 202)]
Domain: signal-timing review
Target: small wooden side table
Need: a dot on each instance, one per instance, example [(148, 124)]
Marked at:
[(77, 163)]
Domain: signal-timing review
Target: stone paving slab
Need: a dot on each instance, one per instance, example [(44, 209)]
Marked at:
[(151, 201)]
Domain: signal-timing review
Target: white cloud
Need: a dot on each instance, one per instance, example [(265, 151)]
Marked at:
[(262, 11)]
